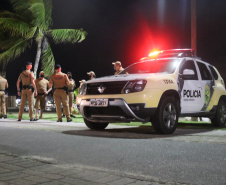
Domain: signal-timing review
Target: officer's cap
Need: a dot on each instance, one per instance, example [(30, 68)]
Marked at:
[(41, 72), (117, 63), (28, 63), (91, 72), (82, 81), (57, 66)]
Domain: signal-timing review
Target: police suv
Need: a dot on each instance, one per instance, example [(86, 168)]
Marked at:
[(159, 88)]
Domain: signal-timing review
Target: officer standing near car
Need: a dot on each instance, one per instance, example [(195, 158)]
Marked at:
[(81, 82), (118, 67), (26, 93), (60, 82), (3, 87), (42, 85), (71, 94), (92, 75)]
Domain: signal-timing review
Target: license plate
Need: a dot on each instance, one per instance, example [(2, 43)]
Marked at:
[(98, 103)]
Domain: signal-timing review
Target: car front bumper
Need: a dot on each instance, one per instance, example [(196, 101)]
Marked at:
[(117, 110)]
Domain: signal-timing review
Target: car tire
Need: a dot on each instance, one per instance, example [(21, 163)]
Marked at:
[(219, 119), (166, 118), (95, 125)]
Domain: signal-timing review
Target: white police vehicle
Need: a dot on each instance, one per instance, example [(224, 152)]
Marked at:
[(160, 88)]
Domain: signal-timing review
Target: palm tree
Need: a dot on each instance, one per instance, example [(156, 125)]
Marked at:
[(29, 23)]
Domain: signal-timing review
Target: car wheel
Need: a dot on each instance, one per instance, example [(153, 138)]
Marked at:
[(219, 119), (166, 119), (95, 125)]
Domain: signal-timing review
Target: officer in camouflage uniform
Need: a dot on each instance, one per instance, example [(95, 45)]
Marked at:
[(3, 86), (26, 93), (42, 85), (60, 82), (118, 67)]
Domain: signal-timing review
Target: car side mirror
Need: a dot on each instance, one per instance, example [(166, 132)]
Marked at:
[(188, 74)]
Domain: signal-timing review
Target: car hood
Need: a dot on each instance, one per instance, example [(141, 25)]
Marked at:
[(127, 77)]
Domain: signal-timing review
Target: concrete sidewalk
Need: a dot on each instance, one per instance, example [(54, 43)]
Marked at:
[(17, 170)]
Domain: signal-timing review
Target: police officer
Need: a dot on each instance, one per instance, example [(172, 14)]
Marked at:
[(92, 75), (81, 82), (26, 93), (59, 81), (3, 86), (118, 67), (42, 85), (71, 95)]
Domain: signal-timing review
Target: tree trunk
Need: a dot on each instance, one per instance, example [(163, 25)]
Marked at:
[(38, 56)]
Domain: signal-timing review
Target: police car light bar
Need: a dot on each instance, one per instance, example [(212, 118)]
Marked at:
[(155, 53), (173, 52)]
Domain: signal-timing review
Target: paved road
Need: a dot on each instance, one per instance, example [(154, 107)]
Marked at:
[(187, 157)]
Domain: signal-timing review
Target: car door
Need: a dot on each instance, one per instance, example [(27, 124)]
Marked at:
[(207, 85), (189, 87)]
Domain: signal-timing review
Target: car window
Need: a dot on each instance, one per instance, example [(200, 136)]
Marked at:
[(214, 73), (205, 73), (189, 64), (152, 66)]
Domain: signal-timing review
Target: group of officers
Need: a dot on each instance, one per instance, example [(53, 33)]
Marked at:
[(62, 84)]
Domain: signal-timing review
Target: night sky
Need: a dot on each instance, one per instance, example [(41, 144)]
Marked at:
[(127, 30)]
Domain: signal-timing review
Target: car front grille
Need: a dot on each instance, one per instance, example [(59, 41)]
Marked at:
[(105, 88)]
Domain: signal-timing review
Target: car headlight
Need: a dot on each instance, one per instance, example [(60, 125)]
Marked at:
[(134, 86), (83, 89)]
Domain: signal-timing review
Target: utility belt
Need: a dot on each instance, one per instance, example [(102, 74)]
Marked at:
[(70, 90), (64, 88), (28, 87), (2, 90), (41, 93)]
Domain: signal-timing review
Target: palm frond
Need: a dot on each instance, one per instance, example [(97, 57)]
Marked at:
[(14, 51), (7, 42), (33, 10), (8, 14), (38, 11), (14, 27), (22, 8), (31, 33), (68, 35), (48, 12), (48, 62), (19, 6)]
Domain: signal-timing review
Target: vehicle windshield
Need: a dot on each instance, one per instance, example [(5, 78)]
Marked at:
[(152, 66)]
